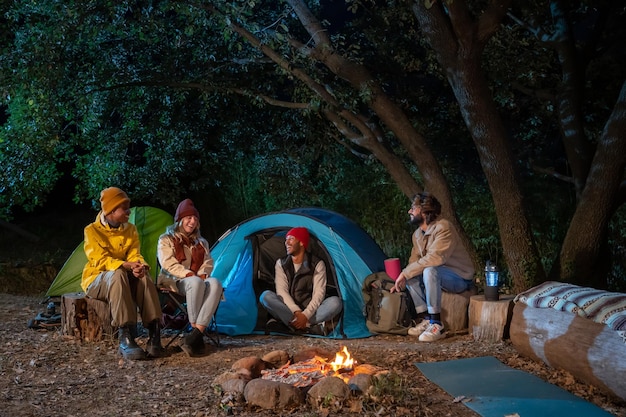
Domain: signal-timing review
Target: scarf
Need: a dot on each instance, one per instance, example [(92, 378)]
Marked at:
[(197, 253)]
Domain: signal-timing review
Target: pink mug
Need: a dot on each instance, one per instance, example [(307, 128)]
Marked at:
[(392, 267)]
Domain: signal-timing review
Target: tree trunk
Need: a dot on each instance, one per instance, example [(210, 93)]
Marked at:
[(569, 101), (454, 38), (498, 165), (580, 249)]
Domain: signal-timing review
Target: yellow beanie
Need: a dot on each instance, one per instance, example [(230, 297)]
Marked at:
[(111, 198)]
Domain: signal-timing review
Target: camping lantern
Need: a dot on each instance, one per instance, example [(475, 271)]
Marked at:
[(492, 277)]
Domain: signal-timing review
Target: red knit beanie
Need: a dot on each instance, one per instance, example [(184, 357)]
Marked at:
[(111, 198), (184, 209), (300, 233)]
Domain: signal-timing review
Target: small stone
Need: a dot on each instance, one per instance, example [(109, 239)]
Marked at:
[(271, 394), (360, 383), (253, 364), (227, 376), (329, 392), (305, 355), (277, 358), (366, 369), (233, 389)]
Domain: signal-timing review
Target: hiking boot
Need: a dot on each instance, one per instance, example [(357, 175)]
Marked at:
[(154, 347), (194, 344), (433, 332), (420, 328), (128, 348), (275, 326)]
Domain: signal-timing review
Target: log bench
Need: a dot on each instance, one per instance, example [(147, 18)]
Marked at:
[(454, 311), (85, 318), (591, 351)]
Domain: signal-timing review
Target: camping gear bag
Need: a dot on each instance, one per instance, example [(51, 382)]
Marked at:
[(386, 312)]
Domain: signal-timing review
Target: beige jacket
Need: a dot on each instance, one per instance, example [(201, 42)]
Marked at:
[(171, 269), (439, 245)]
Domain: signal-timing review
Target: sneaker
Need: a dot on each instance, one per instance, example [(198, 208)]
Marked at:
[(433, 332), (419, 329)]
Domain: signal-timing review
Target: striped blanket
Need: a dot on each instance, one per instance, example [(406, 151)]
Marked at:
[(597, 305)]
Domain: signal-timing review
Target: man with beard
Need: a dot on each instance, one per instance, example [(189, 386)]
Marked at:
[(300, 300), (438, 261)]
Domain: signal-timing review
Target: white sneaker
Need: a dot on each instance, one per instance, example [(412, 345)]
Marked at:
[(432, 333), (419, 329)]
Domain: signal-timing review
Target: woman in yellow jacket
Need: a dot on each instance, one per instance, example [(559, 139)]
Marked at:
[(117, 273)]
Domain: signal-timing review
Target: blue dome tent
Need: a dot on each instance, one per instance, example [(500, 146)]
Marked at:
[(244, 258)]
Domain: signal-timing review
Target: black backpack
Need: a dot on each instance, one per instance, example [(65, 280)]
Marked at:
[(387, 312)]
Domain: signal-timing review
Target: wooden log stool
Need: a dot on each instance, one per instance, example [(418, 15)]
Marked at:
[(490, 320), (85, 318), (454, 310)]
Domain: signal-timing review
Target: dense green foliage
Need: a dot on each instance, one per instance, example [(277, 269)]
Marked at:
[(164, 100)]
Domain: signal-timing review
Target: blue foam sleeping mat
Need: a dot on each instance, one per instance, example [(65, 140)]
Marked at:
[(493, 389)]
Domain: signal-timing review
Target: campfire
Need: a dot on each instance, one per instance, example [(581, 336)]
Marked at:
[(283, 380), (307, 373)]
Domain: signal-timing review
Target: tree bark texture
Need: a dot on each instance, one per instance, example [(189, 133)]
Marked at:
[(85, 318), (584, 238), (570, 100), (454, 311), (590, 351), (490, 320)]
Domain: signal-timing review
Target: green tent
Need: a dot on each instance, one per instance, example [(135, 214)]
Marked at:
[(151, 223)]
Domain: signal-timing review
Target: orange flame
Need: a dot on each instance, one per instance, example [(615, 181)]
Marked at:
[(342, 361)]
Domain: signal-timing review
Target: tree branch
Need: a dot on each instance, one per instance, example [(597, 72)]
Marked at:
[(491, 19), (461, 24), (272, 101), (540, 94), (311, 23), (551, 172)]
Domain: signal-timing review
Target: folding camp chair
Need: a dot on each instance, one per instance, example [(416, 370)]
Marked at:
[(179, 320)]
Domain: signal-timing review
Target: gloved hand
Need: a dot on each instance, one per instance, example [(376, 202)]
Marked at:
[(299, 320)]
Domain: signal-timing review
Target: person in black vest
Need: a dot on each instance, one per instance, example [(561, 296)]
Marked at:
[(300, 300)]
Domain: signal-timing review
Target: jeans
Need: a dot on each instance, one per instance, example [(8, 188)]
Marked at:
[(329, 309), (202, 296), (425, 289)]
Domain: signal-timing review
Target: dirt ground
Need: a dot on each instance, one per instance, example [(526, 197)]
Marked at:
[(43, 373)]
